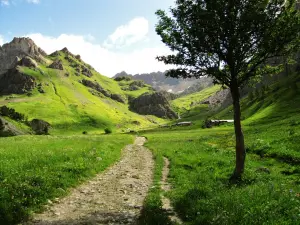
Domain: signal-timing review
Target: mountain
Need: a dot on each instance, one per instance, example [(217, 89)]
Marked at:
[(65, 92), (160, 82)]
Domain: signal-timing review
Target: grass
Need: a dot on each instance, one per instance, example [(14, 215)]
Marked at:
[(185, 103), (69, 106), (34, 169), (202, 161)]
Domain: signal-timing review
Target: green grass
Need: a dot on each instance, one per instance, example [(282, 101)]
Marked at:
[(202, 161), (69, 106), (34, 169), (183, 104)]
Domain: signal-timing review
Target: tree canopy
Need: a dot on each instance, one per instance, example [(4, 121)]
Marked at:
[(221, 38)]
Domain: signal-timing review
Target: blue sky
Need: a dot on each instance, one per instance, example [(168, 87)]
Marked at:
[(111, 35)]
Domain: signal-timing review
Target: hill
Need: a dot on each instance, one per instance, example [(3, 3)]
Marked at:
[(65, 91)]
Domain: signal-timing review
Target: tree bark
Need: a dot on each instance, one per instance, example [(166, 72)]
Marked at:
[(240, 143)]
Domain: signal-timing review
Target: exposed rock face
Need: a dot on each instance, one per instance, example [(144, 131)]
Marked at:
[(19, 47), (28, 62), (118, 98), (15, 82), (7, 129), (153, 104), (221, 98), (96, 87), (85, 71), (40, 127), (57, 64)]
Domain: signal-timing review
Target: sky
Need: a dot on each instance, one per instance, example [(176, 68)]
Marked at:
[(111, 35)]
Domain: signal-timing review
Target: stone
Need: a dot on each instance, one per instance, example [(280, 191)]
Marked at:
[(118, 98), (57, 64), (17, 49), (16, 82), (28, 62), (40, 127), (156, 104), (85, 71)]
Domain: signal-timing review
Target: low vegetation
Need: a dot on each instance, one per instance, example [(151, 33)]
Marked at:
[(201, 162), (34, 169)]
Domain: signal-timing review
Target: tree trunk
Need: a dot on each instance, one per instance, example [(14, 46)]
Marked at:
[(240, 144)]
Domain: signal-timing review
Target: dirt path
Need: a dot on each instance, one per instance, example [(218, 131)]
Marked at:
[(113, 197), (165, 186)]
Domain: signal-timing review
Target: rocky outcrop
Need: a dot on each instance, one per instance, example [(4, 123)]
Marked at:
[(57, 64), (221, 98), (95, 86), (40, 127), (7, 129), (118, 98), (85, 71), (19, 47), (28, 62), (15, 82), (156, 104)]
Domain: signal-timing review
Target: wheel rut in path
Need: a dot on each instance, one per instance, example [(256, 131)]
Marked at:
[(113, 197), (165, 186)]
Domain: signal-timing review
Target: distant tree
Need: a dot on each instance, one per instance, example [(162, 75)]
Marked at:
[(230, 41)]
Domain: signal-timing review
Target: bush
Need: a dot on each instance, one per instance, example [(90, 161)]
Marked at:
[(108, 130)]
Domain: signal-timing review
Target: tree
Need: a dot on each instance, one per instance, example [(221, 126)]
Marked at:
[(230, 41)]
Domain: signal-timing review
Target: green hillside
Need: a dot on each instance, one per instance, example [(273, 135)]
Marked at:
[(202, 160), (69, 106)]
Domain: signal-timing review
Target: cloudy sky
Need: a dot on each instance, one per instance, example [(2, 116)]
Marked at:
[(111, 35)]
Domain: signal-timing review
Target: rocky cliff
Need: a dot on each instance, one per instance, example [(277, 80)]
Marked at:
[(19, 48), (156, 104)]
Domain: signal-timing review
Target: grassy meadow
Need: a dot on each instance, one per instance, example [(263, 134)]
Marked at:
[(202, 161), (34, 169), (70, 107)]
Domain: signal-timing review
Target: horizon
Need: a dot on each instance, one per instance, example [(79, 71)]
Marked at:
[(126, 42)]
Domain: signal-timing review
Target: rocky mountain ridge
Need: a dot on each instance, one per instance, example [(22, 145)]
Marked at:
[(17, 49)]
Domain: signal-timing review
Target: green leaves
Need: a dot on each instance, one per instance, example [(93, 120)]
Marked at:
[(227, 39)]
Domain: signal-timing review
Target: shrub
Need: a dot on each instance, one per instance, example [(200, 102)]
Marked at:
[(108, 130)]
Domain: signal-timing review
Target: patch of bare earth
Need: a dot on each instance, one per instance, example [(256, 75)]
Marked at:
[(113, 197), (165, 186)]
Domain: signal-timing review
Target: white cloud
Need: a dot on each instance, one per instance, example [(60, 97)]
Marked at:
[(125, 35), (9, 2), (106, 61), (33, 1), (5, 2)]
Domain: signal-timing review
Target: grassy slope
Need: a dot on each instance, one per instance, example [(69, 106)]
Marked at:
[(34, 169), (203, 159), (197, 112), (68, 105)]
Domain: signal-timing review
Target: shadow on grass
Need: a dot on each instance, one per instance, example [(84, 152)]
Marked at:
[(152, 215)]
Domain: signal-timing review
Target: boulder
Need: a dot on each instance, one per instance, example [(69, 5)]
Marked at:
[(96, 86), (40, 127), (28, 62), (156, 104), (57, 64), (85, 71), (15, 82), (7, 129), (118, 98), (78, 57), (138, 83)]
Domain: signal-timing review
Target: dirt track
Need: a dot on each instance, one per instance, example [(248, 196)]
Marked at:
[(113, 197)]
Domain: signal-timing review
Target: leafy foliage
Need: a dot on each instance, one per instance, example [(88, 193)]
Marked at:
[(227, 39)]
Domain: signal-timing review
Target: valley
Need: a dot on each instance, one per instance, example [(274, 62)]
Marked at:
[(212, 137)]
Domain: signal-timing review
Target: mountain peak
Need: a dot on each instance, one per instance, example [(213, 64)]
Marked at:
[(19, 47)]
